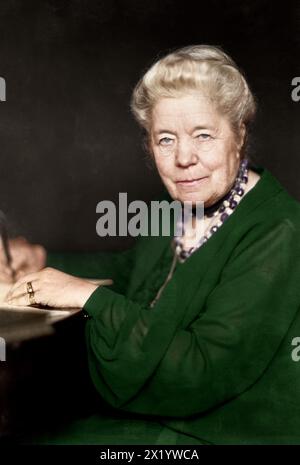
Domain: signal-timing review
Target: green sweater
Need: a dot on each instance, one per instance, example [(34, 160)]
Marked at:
[(213, 358)]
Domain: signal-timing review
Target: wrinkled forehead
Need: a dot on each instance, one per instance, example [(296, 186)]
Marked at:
[(184, 113)]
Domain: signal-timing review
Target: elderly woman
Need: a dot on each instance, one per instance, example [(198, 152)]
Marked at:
[(196, 334)]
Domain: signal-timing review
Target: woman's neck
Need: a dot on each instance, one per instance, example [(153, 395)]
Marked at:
[(253, 178)]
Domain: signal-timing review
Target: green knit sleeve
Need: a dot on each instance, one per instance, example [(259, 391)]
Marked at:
[(142, 360)]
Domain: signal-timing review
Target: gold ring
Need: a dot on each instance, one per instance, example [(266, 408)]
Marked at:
[(30, 293), (32, 299), (29, 288)]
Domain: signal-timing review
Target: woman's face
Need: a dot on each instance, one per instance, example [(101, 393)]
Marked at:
[(194, 147)]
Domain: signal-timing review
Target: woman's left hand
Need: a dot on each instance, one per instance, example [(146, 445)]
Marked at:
[(52, 288)]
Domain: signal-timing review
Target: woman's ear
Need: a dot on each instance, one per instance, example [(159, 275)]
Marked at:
[(242, 135)]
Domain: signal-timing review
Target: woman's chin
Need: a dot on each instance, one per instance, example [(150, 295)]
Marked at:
[(192, 193), (191, 197)]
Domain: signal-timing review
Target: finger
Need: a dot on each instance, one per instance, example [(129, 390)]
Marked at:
[(18, 259), (13, 243), (20, 288), (20, 300), (3, 260), (23, 271), (6, 277), (20, 291), (17, 291), (20, 273), (19, 240), (17, 262), (5, 269), (29, 277), (21, 297)]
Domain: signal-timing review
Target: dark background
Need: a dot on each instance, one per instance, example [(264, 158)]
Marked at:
[(67, 137)]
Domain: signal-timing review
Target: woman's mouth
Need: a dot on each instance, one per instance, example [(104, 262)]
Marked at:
[(191, 182)]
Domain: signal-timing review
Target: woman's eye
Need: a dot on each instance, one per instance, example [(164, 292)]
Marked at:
[(166, 141), (204, 136)]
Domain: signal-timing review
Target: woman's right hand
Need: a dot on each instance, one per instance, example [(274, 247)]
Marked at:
[(26, 258)]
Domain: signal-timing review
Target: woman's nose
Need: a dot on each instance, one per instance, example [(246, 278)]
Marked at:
[(186, 154)]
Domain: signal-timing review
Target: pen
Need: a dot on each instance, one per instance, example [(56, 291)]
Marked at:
[(4, 238)]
